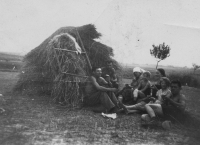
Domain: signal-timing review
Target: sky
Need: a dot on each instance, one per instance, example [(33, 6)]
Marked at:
[(130, 27)]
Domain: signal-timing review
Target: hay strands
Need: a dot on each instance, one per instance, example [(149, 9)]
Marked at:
[(75, 75), (68, 50)]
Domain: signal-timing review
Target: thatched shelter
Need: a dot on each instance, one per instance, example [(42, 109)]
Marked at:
[(56, 68)]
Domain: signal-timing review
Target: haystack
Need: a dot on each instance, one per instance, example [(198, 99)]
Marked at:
[(58, 65)]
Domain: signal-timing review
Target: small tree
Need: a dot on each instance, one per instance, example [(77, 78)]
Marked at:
[(195, 67), (160, 52)]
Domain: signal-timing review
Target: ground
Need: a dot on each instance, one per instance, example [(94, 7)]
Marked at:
[(35, 120)]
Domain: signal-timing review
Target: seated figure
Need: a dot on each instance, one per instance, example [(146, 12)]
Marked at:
[(172, 107), (149, 100), (108, 72), (130, 92), (144, 85), (98, 92)]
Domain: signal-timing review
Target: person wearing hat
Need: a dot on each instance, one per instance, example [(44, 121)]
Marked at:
[(129, 91), (137, 72), (147, 104)]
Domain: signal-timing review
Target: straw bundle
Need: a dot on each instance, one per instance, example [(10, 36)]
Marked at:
[(67, 67), (54, 67)]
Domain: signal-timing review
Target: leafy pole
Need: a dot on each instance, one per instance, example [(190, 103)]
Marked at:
[(160, 52), (195, 67)]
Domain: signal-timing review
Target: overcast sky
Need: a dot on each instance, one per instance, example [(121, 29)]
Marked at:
[(130, 27)]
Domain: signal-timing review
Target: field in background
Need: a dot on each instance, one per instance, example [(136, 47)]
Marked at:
[(10, 62), (185, 75)]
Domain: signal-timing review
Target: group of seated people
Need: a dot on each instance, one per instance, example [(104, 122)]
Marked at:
[(155, 99)]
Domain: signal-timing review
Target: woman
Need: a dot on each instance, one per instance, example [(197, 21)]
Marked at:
[(127, 91), (154, 109), (159, 74), (141, 105)]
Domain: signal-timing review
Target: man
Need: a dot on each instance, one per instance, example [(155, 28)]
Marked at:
[(98, 93), (109, 73), (173, 106)]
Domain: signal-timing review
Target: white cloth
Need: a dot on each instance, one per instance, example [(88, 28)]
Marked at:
[(160, 93), (78, 48), (113, 115), (135, 94), (138, 69)]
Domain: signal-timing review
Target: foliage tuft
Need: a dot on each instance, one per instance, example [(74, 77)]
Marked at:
[(160, 52)]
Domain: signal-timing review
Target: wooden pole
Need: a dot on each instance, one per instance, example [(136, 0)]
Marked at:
[(82, 46)]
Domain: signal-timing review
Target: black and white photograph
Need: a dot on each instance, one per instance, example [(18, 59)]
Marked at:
[(106, 72)]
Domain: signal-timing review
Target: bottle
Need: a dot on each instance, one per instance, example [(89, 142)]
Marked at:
[(120, 98)]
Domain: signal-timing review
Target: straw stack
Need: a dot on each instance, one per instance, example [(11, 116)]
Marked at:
[(56, 67)]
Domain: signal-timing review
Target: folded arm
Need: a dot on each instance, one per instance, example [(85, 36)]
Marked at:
[(101, 88)]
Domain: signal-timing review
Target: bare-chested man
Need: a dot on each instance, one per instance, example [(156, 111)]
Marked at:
[(98, 92), (173, 106)]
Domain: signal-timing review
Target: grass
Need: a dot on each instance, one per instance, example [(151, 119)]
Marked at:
[(10, 57), (185, 75), (10, 62), (36, 120)]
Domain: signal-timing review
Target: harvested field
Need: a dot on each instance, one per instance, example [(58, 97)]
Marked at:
[(36, 120)]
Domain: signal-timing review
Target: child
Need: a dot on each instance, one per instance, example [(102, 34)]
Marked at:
[(144, 85), (164, 91)]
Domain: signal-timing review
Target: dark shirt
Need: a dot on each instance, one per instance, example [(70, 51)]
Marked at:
[(108, 71)]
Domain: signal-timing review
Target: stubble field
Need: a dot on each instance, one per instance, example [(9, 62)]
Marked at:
[(35, 120)]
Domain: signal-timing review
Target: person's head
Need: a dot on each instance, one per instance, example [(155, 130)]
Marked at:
[(96, 71), (109, 64), (137, 72), (165, 82), (160, 73), (176, 87), (146, 74)]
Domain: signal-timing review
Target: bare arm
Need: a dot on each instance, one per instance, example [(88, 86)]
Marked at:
[(106, 82), (114, 75), (139, 85), (146, 87), (180, 104), (101, 88), (103, 81)]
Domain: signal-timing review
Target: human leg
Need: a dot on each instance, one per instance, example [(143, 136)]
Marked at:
[(153, 109), (99, 98), (113, 98), (133, 108), (138, 106), (106, 101), (141, 95)]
